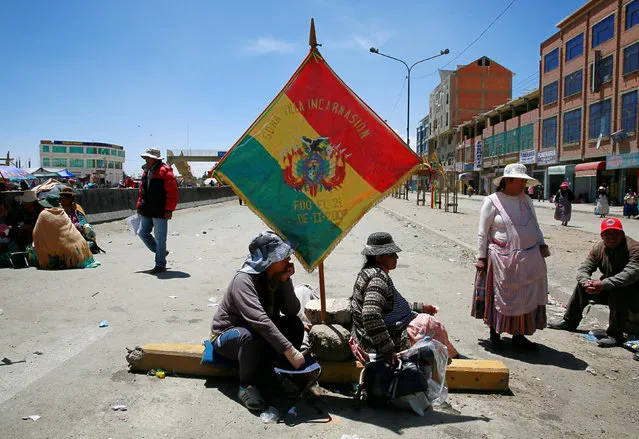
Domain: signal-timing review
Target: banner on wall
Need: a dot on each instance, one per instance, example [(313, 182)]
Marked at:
[(527, 157), (478, 155)]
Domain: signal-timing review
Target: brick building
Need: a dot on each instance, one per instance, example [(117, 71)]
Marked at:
[(589, 81), (461, 94)]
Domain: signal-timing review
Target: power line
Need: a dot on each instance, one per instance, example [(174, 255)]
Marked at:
[(521, 81), (397, 101), (474, 41)]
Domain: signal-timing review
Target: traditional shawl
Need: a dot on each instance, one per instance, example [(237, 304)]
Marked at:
[(58, 244)]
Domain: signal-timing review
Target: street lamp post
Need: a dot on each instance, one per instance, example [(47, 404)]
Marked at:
[(408, 69)]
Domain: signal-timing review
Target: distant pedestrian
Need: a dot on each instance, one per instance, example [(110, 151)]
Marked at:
[(156, 203), (470, 190), (563, 204), (603, 204), (630, 204), (540, 192), (531, 192)]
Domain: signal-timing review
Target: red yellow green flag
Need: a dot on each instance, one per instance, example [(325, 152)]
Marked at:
[(315, 161)]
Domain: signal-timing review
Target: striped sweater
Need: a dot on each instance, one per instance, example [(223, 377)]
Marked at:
[(380, 313)]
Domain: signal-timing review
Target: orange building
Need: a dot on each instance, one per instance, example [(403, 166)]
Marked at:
[(461, 94)]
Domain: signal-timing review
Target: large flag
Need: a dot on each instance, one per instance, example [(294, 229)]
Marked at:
[(316, 160)]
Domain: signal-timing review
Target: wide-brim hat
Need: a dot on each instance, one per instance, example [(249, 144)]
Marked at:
[(152, 153), (265, 249), (27, 197), (516, 170), (66, 190), (380, 243)]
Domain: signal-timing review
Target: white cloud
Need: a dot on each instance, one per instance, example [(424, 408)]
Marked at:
[(269, 45)]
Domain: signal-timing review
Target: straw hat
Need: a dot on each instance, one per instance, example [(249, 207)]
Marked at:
[(380, 243), (516, 170), (152, 153)]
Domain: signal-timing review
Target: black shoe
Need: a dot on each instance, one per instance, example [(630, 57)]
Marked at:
[(495, 338), (167, 253), (521, 342), (608, 342), (562, 324), (157, 270)]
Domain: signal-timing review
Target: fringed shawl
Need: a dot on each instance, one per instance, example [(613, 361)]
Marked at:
[(58, 244)]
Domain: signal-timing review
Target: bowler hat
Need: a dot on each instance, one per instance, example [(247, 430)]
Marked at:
[(380, 243)]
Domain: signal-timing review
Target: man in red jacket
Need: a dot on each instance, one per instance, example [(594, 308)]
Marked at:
[(156, 203)]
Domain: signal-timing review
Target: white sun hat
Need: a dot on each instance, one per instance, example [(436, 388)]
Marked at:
[(516, 170)]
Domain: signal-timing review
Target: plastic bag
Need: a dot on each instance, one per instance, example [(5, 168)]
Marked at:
[(134, 223), (432, 357)]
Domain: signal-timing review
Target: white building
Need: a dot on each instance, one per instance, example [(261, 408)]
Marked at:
[(102, 162)]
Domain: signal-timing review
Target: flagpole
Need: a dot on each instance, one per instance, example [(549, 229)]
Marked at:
[(312, 41)]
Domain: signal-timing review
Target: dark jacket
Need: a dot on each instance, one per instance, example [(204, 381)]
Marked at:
[(619, 265), (158, 191), (250, 302)]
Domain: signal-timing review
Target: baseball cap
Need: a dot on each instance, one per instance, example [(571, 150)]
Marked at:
[(611, 224)]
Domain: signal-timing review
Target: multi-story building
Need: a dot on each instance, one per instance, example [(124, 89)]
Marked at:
[(506, 134), (102, 161), (461, 94), (423, 132), (589, 81)]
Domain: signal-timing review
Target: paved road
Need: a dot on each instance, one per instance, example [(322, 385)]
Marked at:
[(73, 371)]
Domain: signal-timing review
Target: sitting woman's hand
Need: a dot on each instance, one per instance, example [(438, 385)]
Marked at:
[(294, 357), (430, 309), (481, 264)]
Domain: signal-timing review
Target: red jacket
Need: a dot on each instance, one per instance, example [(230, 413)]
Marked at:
[(158, 192)]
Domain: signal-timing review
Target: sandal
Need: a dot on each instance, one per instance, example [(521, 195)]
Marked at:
[(251, 398)]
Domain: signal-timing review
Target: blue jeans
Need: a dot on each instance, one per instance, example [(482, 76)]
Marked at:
[(158, 244)]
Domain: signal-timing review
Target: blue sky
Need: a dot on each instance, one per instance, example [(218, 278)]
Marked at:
[(141, 73)]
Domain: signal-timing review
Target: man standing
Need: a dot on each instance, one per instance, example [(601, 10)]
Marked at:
[(156, 203), (617, 257)]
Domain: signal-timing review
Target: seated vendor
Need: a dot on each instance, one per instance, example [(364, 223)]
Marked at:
[(77, 216), (384, 323), (256, 322), (30, 211)]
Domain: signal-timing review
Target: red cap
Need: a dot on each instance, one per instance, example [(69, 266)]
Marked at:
[(564, 184), (611, 224)]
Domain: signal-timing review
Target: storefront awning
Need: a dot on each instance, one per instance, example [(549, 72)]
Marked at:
[(589, 169)]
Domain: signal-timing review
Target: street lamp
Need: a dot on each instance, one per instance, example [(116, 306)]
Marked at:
[(377, 52)]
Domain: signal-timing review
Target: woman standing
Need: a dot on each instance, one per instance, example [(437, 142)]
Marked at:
[(630, 204), (563, 204), (384, 323), (510, 256), (603, 206)]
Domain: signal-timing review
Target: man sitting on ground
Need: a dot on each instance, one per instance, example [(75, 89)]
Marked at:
[(256, 322), (617, 257)]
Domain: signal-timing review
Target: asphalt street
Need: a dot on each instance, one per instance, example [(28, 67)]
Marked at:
[(61, 366)]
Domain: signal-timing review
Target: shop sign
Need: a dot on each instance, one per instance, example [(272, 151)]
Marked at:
[(557, 170), (468, 166), (622, 161), (547, 157), (527, 157), (478, 155)]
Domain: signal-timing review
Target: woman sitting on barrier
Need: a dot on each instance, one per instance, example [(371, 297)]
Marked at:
[(383, 321)]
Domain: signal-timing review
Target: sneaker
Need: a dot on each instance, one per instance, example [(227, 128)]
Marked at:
[(251, 398), (157, 270), (562, 324), (608, 342)]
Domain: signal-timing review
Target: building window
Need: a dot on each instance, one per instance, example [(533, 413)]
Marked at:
[(46, 161), (551, 93), (603, 72), (603, 31), (572, 126), (60, 163), (575, 47), (631, 59), (76, 163), (45, 148), (76, 150), (62, 149), (90, 163), (551, 60), (100, 164), (118, 165), (114, 152), (629, 112), (600, 119), (104, 151), (632, 14), (573, 83), (549, 136), (92, 150)]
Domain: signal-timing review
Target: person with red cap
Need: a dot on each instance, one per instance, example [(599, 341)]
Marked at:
[(617, 258)]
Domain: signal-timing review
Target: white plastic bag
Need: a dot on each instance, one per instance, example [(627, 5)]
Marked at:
[(437, 390), (134, 223)]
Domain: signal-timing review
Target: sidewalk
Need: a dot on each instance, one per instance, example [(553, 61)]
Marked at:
[(616, 211)]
